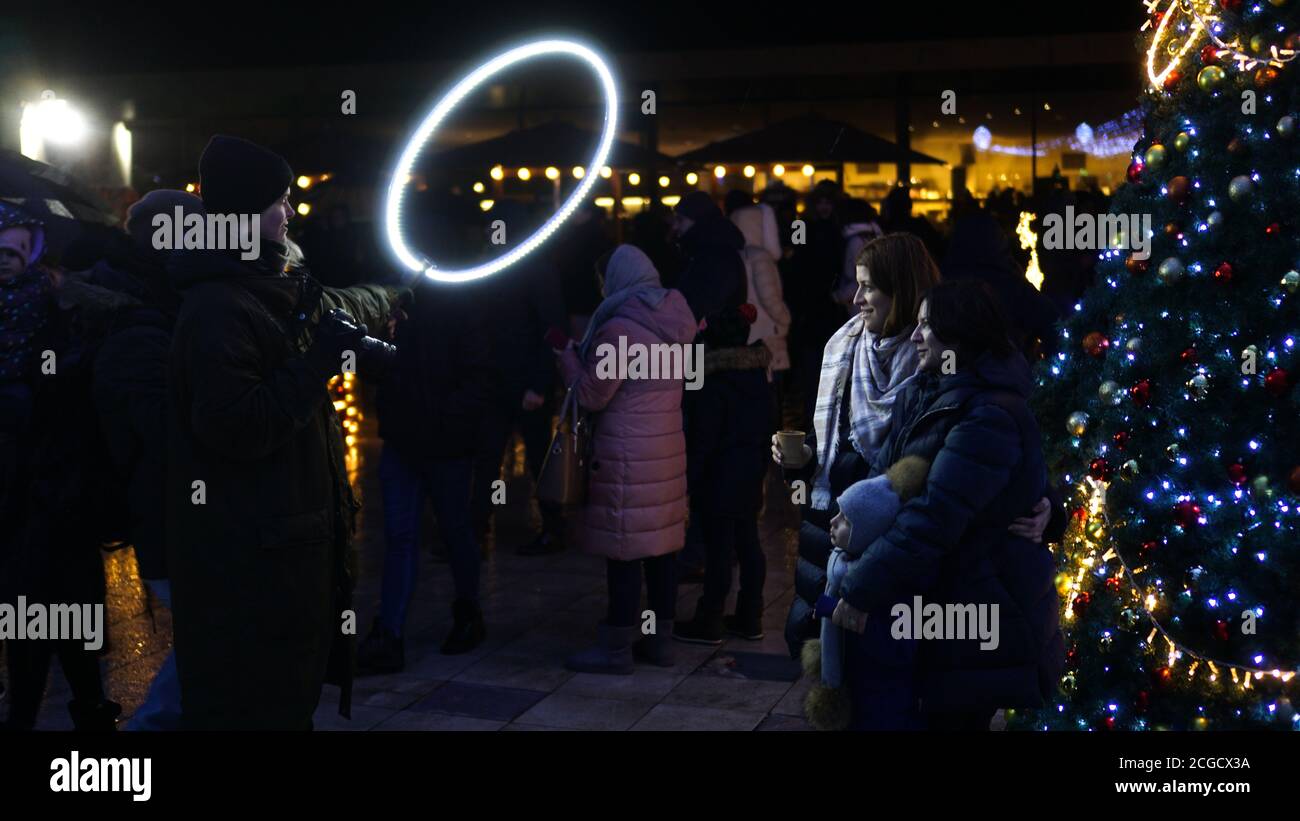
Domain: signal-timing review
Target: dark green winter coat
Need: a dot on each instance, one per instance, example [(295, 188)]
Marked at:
[(260, 564)]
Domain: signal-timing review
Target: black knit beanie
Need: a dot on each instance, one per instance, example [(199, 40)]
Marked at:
[(699, 206), (240, 177)]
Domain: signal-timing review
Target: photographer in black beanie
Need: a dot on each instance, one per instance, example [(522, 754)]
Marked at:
[(260, 513)]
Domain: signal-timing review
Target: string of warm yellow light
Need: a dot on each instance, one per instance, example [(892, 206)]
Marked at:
[(1029, 241), (349, 411), (1090, 543), (1203, 16)]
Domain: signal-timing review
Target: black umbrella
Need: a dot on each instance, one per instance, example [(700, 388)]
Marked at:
[(56, 198), (809, 138)]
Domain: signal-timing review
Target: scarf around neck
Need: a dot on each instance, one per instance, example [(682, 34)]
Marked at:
[(877, 369)]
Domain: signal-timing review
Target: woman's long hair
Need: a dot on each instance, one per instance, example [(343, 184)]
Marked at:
[(899, 265)]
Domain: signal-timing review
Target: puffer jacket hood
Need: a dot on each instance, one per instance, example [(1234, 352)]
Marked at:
[(750, 222), (671, 321)]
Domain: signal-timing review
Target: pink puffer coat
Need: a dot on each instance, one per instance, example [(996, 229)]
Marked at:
[(636, 499)]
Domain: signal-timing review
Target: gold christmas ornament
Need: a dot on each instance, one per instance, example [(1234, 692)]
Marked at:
[(1286, 126), (1291, 281), (1182, 141), (1156, 155), (1134, 344), (1110, 392), (1171, 270), (1077, 423), (1210, 78), (1240, 188)]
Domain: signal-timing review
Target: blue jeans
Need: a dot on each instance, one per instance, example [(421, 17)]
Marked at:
[(406, 482), (162, 706)]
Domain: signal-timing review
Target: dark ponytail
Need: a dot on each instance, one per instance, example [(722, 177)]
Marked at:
[(967, 316)]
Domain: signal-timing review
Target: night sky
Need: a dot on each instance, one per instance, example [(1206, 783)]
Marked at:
[(118, 37)]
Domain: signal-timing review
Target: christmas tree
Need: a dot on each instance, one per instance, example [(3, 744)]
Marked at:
[(1170, 411)]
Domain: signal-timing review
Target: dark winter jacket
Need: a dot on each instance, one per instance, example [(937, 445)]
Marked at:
[(447, 375), (728, 440), (260, 513), (130, 386), (50, 537), (952, 545), (714, 279), (522, 304), (811, 276)]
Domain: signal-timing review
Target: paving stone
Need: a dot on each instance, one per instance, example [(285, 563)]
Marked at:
[(583, 713), (683, 718), (479, 701), (426, 722), (727, 693)]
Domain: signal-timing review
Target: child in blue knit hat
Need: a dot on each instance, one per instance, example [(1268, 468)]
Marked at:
[(867, 509)]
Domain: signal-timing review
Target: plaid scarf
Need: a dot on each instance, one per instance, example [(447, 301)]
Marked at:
[(880, 368)]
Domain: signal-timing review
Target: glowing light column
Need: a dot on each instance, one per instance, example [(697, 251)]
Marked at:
[(402, 172)]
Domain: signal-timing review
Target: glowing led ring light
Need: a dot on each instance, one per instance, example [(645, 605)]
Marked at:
[(402, 172)]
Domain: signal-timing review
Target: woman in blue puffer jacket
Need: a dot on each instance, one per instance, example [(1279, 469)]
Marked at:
[(967, 413)]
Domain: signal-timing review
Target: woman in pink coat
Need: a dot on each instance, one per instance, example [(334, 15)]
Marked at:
[(636, 494)]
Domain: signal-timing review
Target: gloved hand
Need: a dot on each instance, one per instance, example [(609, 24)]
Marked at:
[(337, 332)]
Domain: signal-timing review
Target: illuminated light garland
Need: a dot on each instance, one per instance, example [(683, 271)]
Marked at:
[(1109, 139), (426, 129), (1242, 675), (1203, 20)]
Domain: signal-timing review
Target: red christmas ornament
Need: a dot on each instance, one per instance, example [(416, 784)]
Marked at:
[(1072, 655), (1096, 344), (1172, 79), (1277, 382), (1292, 41), (1148, 546), (1099, 469), (1134, 172), (1141, 392), (1237, 473), (1137, 266), (1272, 230), (1110, 722), (1221, 630), (1209, 54), (1113, 583), (1082, 600), (1179, 188), (1223, 274), (1188, 356), (1079, 514), (1233, 6), (1173, 229), (1236, 145), (1143, 700), (1293, 480), (1186, 513), (1120, 440), (1265, 77)]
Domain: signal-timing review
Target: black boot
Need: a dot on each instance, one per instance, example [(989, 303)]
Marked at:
[(382, 651), (705, 628), (544, 545), (467, 630), (656, 648), (97, 718), (748, 621)]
